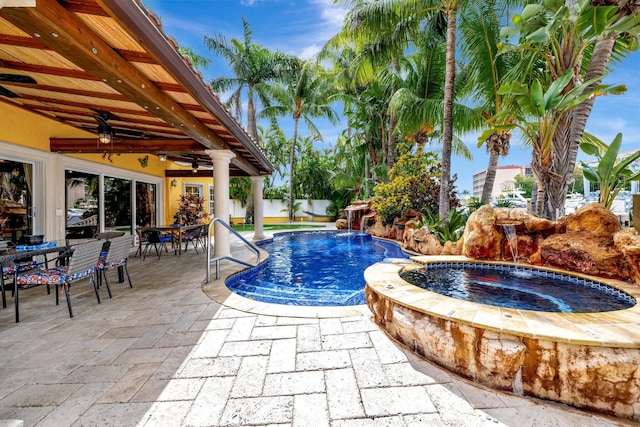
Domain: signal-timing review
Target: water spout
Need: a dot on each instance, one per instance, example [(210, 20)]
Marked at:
[(349, 220), (512, 239)]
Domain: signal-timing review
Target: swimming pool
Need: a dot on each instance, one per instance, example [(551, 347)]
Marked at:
[(315, 268)]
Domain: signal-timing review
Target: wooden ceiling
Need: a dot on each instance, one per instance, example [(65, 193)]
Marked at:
[(93, 57)]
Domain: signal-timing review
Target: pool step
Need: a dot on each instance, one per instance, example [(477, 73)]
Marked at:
[(295, 296)]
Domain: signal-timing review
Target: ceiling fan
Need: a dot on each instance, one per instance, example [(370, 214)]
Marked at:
[(102, 117), (14, 78)]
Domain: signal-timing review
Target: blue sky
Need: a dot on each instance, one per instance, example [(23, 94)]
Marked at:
[(301, 27)]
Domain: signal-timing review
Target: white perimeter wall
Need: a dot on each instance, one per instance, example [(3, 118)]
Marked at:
[(278, 209)]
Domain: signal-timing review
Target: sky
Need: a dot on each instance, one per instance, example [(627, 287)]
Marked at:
[(301, 27)]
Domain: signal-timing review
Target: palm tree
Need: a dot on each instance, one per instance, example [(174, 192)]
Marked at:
[(561, 39), (480, 29), (419, 103), (253, 67), (305, 96)]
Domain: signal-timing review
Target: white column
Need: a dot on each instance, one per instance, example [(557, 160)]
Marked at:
[(258, 208), (221, 160)]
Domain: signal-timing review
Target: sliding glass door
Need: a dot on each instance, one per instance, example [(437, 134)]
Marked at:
[(83, 204), (16, 200)]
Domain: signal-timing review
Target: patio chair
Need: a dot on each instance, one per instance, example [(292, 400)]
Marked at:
[(80, 265), (158, 240), (116, 256), (192, 236)]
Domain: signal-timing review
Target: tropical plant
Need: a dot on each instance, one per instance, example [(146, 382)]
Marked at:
[(524, 183), (545, 105), (446, 230), (611, 175), (191, 210), (480, 28), (577, 38), (414, 184), (306, 95), (253, 67)]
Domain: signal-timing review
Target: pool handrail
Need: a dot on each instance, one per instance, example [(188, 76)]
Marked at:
[(217, 260)]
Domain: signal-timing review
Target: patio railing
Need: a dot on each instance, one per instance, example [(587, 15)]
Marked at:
[(217, 260)]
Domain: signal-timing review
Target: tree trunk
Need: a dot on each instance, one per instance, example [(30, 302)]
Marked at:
[(490, 177), (252, 129), (292, 157), (447, 138), (568, 135), (391, 145)]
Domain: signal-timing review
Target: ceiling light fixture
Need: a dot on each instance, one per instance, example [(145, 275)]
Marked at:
[(105, 132), (162, 157), (195, 166)]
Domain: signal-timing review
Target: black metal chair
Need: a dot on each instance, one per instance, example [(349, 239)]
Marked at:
[(192, 236), (158, 240)]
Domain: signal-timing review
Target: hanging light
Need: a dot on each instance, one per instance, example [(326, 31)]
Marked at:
[(195, 166), (162, 157), (105, 133)]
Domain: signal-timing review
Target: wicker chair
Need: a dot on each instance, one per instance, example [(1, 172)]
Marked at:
[(81, 264), (116, 256)]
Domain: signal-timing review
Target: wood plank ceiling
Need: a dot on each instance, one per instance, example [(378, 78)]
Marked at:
[(110, 57)]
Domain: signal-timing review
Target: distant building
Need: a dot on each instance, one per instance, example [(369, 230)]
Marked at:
[(505, 179)]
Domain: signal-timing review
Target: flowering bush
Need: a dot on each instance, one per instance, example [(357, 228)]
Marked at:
[(414, 183), (191, 210)]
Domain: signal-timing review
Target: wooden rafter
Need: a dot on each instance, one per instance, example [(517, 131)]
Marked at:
[(121, 145), (75, 74)]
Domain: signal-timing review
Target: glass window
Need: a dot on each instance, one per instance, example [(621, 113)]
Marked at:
[(145, 204), (16, 201), (82, 191), (211, 199), (117, 204), (197, 189)]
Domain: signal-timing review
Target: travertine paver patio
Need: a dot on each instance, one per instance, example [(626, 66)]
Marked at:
[(165, 354)]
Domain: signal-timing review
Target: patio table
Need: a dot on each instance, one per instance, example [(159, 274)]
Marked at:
[(13, 255), (175, 229)]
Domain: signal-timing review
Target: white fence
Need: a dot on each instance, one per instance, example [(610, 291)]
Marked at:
[(276, 209)]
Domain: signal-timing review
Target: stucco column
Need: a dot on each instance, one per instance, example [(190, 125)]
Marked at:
[(258, 208), (221, 160)]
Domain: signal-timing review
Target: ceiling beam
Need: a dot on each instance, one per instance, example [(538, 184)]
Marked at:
[(30, 42), (74, 74), (122, 145), (200, 173)]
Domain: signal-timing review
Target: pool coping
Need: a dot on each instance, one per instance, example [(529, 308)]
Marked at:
[(610, 329)]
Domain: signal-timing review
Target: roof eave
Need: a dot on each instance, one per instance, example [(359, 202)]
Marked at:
[(133, 17)]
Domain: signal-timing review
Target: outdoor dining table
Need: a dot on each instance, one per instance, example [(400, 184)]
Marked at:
[(175, 229), (14, 255)]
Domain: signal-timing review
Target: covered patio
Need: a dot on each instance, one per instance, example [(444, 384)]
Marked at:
[(96, 88)]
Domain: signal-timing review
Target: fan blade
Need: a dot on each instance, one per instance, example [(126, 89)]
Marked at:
[(8, 93), (102, 119), (16, 78)]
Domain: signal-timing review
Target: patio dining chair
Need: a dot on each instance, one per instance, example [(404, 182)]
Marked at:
[(81, 264), (117, 256), (193, 236), (158, 240)]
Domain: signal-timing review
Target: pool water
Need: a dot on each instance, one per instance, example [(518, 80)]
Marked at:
[(318, 268), (530, 289)]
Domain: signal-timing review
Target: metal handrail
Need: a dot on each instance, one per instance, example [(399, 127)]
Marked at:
[(217, 260)]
